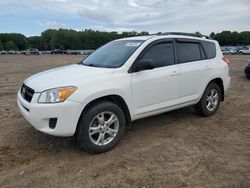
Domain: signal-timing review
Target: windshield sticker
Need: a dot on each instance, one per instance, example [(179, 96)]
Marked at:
[(133, 44)]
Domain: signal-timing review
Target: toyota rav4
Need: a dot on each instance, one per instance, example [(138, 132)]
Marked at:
[(125, 80)]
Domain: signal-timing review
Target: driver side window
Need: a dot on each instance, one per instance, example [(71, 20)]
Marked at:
[(162, 54)]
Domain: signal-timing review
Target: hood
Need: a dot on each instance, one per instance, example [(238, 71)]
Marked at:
[(71, 75)]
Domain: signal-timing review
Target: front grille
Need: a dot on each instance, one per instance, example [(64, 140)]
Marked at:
[(27, 93)]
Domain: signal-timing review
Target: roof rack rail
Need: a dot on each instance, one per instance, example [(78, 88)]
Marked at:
[(197, 34)]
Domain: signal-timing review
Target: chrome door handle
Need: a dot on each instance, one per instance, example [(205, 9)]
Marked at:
[(208, 67), (175, 73)]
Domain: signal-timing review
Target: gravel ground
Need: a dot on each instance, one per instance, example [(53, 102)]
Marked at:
[(175, 149)]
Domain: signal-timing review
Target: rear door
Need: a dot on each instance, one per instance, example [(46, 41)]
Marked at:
[(195, 70)]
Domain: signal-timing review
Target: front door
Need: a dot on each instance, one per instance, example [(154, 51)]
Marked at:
[(158, 88)]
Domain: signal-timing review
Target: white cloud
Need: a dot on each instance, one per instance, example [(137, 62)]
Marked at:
[(50, 24), (149, 15)]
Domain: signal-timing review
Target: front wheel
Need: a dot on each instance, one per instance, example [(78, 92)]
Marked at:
[(210, 100), (101, 127)]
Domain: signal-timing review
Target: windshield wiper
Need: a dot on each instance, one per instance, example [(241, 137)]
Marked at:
[(90, 65), (96, 65)]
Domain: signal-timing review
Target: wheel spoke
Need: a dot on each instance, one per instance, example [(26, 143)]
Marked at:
[(215, 97), (111, 132), (111, 120), (100, 118), (212, 93), (94, 130), (100, 139), (209, 105)]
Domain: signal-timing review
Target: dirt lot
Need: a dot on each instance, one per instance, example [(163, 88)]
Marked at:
[(176, 149)]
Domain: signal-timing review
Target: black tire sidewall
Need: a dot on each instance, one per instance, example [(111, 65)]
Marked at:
[(202, 107), (83, 127)]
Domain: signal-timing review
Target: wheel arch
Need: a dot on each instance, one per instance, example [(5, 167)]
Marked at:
[(114, 98), (219, 82)]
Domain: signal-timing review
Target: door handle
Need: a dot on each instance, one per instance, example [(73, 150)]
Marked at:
[(208, 67), (175, 73)]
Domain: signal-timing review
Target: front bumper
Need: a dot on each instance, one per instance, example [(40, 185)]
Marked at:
[(38, 115)]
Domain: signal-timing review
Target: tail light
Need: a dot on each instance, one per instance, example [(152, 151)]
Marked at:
[(226, 60)]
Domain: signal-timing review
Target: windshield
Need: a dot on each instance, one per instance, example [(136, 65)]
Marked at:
[(112, 55)]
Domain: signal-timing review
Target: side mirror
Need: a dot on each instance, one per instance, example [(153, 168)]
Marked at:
[(144, 64)]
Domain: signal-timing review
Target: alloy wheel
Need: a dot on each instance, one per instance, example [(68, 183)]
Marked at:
[(103, 128)]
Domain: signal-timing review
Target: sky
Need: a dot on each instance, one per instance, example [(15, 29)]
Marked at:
[(31, 17)]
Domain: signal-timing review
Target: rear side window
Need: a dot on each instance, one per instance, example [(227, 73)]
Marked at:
[(162, 54), (209, 48), (188, 52)]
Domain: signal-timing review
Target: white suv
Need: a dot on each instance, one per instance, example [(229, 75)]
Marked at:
[(125, 80)]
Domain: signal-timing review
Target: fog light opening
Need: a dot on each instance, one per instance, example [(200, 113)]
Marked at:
[(52, 123)]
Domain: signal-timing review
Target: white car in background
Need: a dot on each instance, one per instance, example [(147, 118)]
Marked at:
[(125, 80), (228, 51), (245, 50)]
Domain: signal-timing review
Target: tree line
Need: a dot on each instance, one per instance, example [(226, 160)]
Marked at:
[(65, 39), (232, 38)]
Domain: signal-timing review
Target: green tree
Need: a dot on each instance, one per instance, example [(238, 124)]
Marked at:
[(10, 45), (233, 38), (1, 46), (212, 35), (19, 39), (92, 39), (35, 42), (243, 38), (224, 38)]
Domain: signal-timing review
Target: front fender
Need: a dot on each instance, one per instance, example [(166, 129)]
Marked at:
[(88, 93)]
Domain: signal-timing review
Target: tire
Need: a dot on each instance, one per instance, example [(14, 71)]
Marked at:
[(248, 77), (94, 132), (203, 108)]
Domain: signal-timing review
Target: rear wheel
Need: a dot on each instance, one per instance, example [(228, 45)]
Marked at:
[(210, 100), (101, 127)]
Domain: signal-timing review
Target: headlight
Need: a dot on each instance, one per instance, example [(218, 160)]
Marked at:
[(56, 95)]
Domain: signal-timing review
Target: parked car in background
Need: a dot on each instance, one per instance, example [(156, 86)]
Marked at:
[(75, 52), (57, 51), (245, 50), (11, 52), (238, 48), (72, 52), (228, 51), (67, 52), (233, 50), (31, 51), (247, 70), (122, 81), (46, 52), (3, 52), (88, 52)]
